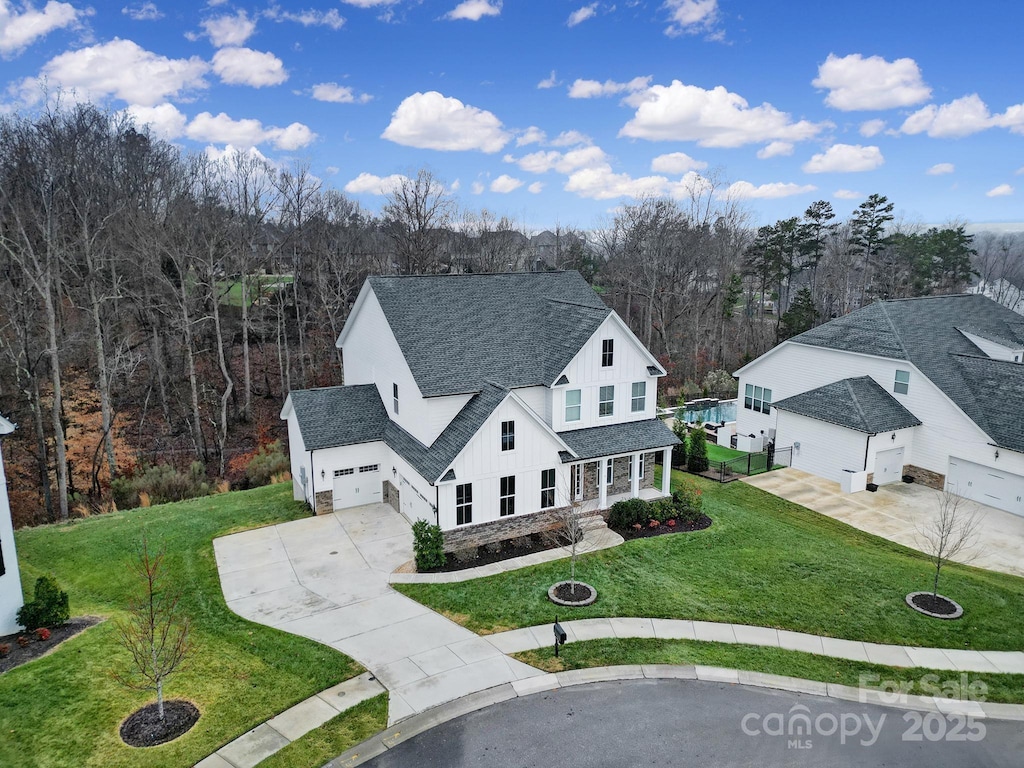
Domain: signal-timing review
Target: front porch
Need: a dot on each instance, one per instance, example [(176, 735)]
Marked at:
[(590, 506), (601, 481)]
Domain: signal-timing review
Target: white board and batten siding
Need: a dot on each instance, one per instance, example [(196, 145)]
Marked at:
[(585, 373), (483, 463), (302, 469), (11, 598)]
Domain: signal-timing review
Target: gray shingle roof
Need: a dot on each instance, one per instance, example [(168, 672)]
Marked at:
[(458, 332), (336, 416), (595, 442), (925, 332), (860, 404)]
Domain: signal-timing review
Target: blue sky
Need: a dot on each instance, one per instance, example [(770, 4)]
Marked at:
[(558, 112)]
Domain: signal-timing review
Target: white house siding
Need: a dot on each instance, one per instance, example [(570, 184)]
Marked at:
[(299, 461), (826, 450), (539, 400), (904, 438), (586, 373), (11, 598), (993, 350), (483, 463), (327, 460)]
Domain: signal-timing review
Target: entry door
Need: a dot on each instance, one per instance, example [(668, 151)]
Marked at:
[(576, 470), (888, 466)]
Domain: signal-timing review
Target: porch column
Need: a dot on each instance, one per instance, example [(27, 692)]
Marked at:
[(666, 471), (634, 481), (602, 488)]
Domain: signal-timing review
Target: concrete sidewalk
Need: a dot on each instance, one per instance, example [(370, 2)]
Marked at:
[(326, 578)]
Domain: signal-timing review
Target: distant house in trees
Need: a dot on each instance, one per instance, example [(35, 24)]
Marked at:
[(1003, 291), (11, 598)]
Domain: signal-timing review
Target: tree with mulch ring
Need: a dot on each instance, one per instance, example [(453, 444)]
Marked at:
[(14, 654), (569, 533), (572, 594), (949, 534), (147, 727)]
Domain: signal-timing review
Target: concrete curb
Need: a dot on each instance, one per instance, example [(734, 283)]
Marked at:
[(414, 726)]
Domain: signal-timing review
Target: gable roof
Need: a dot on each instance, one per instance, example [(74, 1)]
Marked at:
[(593, 442), (460, 332), (924, 331), (860, 404)]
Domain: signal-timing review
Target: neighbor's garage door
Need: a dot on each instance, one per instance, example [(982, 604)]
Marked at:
[(986, 485), (354, 486)]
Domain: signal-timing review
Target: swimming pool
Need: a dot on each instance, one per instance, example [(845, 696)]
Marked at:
[(724, 411)]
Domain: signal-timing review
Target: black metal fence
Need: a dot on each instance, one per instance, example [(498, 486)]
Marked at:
[(748, 464)]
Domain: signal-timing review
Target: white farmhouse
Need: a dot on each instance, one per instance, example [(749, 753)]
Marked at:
[(929, 387), (11, 598), (482, 403)]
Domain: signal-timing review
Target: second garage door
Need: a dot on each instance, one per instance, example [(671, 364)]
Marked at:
[(986, 485), (354, 486)]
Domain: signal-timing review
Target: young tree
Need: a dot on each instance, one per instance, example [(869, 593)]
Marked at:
[(678, 451), (697, 461), (155, 633), (950, 533), (570, 532)]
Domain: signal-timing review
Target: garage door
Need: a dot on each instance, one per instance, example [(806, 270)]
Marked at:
[(414, 506), (354, 486), (986, 485), (888, 466)]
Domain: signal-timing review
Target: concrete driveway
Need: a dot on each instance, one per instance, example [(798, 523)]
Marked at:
[(326, 578), (896, 511)]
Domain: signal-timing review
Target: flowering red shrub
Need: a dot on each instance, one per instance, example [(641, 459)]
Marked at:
[(653, 524), (23, 641), (43, 633), (672, 523), (5, 648)]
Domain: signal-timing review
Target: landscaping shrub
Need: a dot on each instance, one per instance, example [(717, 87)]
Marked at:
[(679, 451), (662, 510), (687, 504), (5, 648), (50, 607), (268, 461), (697, 461), (160, 484), (428, 545), (628, 512)]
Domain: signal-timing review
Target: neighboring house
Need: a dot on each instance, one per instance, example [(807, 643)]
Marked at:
[(930, 387), (1003, 291), (482, 403), (11, 598)]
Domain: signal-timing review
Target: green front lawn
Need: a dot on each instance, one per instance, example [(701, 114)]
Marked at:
[(775, 661), (64, 709), (765, 562)]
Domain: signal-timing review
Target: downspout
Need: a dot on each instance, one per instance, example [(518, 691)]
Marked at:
[(867, 444), (437, 506)]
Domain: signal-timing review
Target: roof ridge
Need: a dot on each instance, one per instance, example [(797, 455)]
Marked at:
[(856, 402), (603, 308), (895, 333)]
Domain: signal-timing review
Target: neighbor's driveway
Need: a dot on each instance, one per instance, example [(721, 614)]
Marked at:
[(326, 578), (896, 511)]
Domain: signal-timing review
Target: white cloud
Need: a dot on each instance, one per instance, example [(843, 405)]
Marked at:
[(715, 118), (571, 139), (121, 69), (164, 120), (455, 185), (689, 17), (676, 162), (1001, 191), (532, 135), (549, 82), (477, 188), (962, 117), (247, 132), (434, 121), (940, 168), (143, 12), (368, 184), (542, 162), (310, 18), (775, 149), (871, 128), (229, 30), (845, 158), (536, 188), (20, 30), (602, 183), (854, 82), (474, 10), (244, 66), (339, 94), (847, 194), (591, 89), (744, 190), (505, 184), (1019, 171), (582, 14), (369, 3)]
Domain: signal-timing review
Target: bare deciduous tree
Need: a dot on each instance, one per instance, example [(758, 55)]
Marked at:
[(570, 531), (950, 533), (155, 633)]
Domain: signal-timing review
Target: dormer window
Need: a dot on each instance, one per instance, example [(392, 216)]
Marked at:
[(607, 353), (394, 394), (902, 384)]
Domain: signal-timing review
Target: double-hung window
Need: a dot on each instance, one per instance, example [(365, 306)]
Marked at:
[(464, 504), (547, 488), (508, 435), (607, 353), (639, 401), (507, 498), (902, 384), (757, 399), (394, 394), (606, 401), (572, 404)]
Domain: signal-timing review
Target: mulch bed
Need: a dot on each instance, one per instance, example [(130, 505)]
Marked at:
[(565, 592), (17, 655), (647, 532), (935, 604), (504, 550), (144, 728)]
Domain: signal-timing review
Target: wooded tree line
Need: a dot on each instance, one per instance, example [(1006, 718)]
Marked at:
[(159, 305)]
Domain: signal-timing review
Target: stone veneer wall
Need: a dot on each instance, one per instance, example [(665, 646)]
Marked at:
[(620, 476), (391, 496), (925, 476), (498, 530), (324, 502)]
